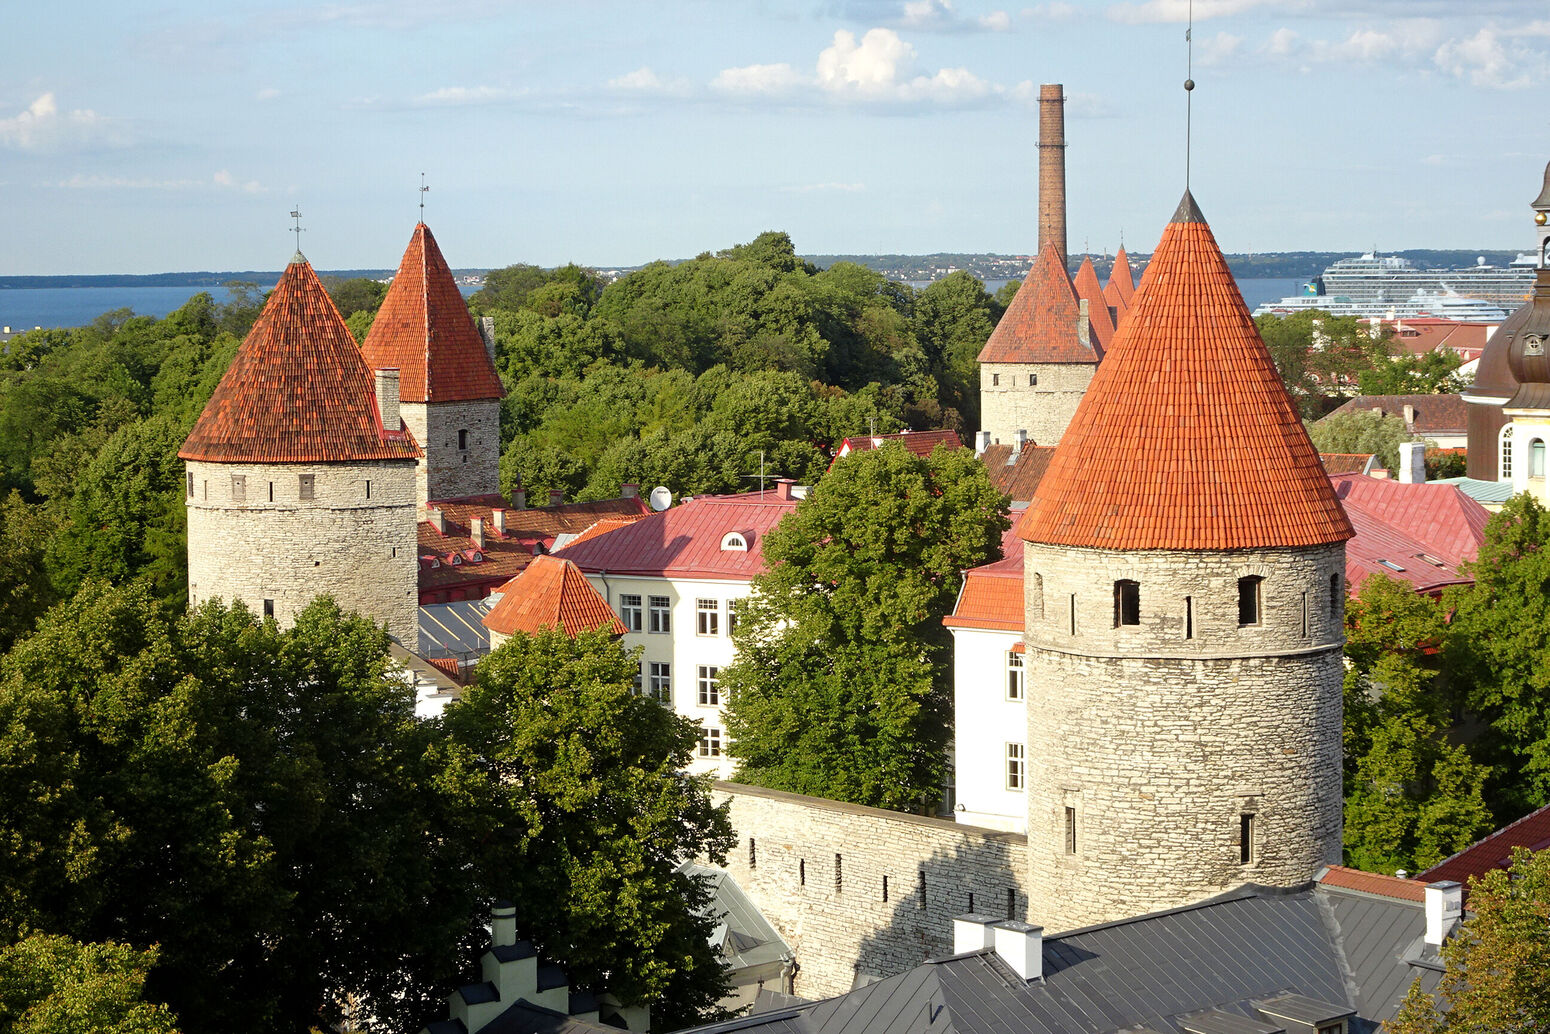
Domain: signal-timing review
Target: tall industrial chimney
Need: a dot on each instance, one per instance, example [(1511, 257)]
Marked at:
[(1052, 168)]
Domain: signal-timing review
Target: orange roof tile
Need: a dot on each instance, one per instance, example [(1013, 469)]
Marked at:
[(604, 526), (1086, 285), (992, 596), (424, 329), (1346, 462), (921, 443), (1186, 437), (551, 593), (1040, 325), (1120, 278), (297, 391), (1373, 883)]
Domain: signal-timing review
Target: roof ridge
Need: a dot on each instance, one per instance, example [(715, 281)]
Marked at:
[(1493, 835)]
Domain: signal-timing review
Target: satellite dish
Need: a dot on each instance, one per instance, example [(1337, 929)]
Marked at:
[(661, 498)]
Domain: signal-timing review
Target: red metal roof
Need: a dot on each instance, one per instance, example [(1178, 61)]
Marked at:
[(992, 596), (1448, 522), (551, 593), (921, 443), (424, 329), (1495, 851), (1186, 437), (1041, 323), (1373, 883), (297, 390), (1086, 284), (686, 540)]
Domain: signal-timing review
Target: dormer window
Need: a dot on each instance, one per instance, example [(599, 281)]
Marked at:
[(476, 557), (734, 542), (456, 559)]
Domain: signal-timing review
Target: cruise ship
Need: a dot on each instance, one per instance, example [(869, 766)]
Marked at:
[(1390, 286)]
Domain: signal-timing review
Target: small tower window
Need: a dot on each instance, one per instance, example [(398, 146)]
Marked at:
[(1127, 602), (1073, 613), (239, 488), (1536, 458), (995, 380), (1334, 596), (1246, 838), (308, 483), (1036, 596), (1505, 448), (1189, 617), (1033, 380), (368, 489), (190, 479), (1070, 830), (271, 491), (462, 439), (1249, 600), (269, 608)]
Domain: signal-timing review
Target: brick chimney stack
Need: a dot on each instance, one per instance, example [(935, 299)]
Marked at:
[(1052, 168)]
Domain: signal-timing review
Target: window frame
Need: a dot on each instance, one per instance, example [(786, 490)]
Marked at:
[(659, 684), (239, 488), (1015, 770), (708, 685), (659, 615), (711, 742), (707, 616), (1127, 603), (631, 614), (1504, 454), (1251, 593), (1536, 459), (1016, 684), (306, 487)]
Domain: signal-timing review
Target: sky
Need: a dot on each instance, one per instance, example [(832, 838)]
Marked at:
[(141, 137)]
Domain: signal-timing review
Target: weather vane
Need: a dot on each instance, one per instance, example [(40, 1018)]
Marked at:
[(1189, 84), (297, 229), (423, 190)]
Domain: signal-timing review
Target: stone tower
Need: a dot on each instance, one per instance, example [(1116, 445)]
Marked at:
[(1525, 338), (300, 474), (1184, 578), (449, 392)]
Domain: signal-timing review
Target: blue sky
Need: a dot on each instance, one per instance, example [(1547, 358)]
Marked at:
[(152, 136)]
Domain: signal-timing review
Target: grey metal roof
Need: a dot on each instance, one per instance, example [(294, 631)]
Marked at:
[(745, 937), (1160, 972), (455, 629)]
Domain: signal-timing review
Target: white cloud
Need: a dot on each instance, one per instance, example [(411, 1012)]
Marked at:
[(457, 96), (995, 21), (1052, 11), (222, 180), (44, 127), (1283, 42), (225, 179), (1180, 10), (1218, 49), (1487, 59), (872, 67), (643, 78), (940, 16), (769, 80), (268, 93)]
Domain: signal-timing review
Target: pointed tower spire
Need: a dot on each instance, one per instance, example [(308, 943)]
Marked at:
[(1186, 438), (1086, 284), (1041, 324)]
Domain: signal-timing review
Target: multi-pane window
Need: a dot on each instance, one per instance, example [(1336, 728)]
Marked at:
[(710, 743), (1505, 446), (1248, 600), (239, 488), (661, 684), (1536, 459), (731, 617), (660, 614), (1015, 760), (1014, 675), (639, 680), (707, 616), (307, 486), (710, 685), (629, 611), (995, 380)]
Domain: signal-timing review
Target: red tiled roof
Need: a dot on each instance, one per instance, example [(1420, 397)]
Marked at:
[(1186, 437), (1373, 883), (1434, 414), (424, 329), (1346, 462), (604, 526), (1120, 279), (551, 593), (1040, 325), (685, 541), (1495, 851), (1421, 335), (1021, 479), (992, 596), (1086, 284), (921, 443), (1428, 530), (297, 390)]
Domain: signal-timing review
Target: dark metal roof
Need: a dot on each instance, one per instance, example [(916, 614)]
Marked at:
[(1161, 972)]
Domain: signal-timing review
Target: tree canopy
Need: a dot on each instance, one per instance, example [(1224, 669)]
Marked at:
[(53, 985), (841, 687), (1362, 431)]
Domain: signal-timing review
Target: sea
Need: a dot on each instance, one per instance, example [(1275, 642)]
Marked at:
[(26, 308)]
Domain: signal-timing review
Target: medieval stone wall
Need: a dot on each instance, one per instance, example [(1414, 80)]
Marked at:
[(1149, 743), (447, 471), (259, 539), (817, 870), (1009, 403)]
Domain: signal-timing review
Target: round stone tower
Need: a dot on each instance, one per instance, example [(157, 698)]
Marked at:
[(300, 476), (1184, 576)]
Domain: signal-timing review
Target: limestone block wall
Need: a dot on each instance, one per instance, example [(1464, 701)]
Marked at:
[(265, 541), (1160, 737), (447, 471), (1009, 402), (816, 869)]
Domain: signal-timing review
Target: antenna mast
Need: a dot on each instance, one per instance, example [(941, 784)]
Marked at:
[(298, 229), (1189, 85), (423, 191)]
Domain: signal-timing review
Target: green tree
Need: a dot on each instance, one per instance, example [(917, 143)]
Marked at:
[(954, 318), (25, 589), (1362, 431), (507, 288), (1433, 373), (355, 294), (1318, 354), (842, 686), (53, 985), (586, 816)]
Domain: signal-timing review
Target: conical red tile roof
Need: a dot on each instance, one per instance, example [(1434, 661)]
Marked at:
[(424, 329), (1086, 284), (1186, 438), (297, 390), (551, 592), (1120, 277), (1041, 323)]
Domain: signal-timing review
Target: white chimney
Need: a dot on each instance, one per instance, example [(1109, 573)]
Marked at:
[(1083, 322), (1021, 946), (503, 924), (981, 442), (556, 497), (1017, 446), (387, 398), (438, 520), (629, 490), (1412, 463), (476, 531), (498, 520), (518, 499), (971, 932), (1444, 908), (1409, 415)]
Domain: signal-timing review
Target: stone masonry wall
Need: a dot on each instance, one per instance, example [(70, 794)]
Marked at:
[(272, 544), (1008, 403), (445, 471), (816, 869), (1159, 737)]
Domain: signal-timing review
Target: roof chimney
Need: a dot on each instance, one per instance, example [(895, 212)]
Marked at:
[(438, 520), (556, 496), (981, 442), (487, 331), (498, 520), (629, 490), (971, 932), (1412, 463), (1409, 415), (1021, 946), (503, 924), (1052, 168), (476, 531), (518, 500), (1017, 446), (1444, 908), (1083, 321), (783, 488), (387, 398)]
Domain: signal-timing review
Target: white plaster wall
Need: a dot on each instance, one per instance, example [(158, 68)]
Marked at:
[(683, 648), (1526, 427), (275, 545), (984, 721)]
